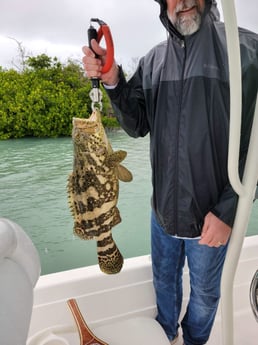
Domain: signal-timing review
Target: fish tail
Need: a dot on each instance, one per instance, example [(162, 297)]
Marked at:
[(109, 256)]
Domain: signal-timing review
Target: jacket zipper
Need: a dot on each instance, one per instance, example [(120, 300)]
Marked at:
[(182, 43)]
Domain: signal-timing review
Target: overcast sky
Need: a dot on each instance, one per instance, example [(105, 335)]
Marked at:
[(59, 27)]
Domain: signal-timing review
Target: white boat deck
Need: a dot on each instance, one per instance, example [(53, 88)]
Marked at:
[(106, 301)]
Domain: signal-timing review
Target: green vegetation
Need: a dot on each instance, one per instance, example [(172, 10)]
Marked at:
[(42, 99)]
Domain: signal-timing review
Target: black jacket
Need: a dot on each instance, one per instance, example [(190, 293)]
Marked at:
[(180, 96)]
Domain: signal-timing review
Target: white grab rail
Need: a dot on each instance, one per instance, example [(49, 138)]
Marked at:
[(235, 79), (246, 188)]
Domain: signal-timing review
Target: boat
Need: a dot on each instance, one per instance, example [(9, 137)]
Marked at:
[(120, 309)]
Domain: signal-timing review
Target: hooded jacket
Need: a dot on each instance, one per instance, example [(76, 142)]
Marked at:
[(180, 94)]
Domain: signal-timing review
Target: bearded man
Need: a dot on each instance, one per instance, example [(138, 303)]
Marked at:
[(179, 95)]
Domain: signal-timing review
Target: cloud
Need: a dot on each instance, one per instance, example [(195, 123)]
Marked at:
[(135, 25), (246, 13), (59, 27)]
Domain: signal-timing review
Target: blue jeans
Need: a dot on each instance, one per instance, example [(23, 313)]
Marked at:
[(205, 267)]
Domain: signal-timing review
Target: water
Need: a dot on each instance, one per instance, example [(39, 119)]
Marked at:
[(33, 178)]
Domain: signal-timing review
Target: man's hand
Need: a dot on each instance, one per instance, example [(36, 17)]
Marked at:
[(214, 232), (93, 65)]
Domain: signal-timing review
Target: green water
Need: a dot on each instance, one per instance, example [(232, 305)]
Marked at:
[(33, 174)]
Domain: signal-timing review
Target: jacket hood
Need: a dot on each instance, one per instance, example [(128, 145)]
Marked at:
[(210, 7)]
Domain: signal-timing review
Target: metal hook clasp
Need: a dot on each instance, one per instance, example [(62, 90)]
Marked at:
[(96, 98)]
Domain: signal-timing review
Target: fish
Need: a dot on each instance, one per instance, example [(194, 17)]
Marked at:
[(93, 189)]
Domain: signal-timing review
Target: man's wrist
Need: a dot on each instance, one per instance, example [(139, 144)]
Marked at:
[(110, 87), (113, 80)]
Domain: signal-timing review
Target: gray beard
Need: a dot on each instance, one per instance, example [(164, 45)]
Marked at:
[(186, 25)]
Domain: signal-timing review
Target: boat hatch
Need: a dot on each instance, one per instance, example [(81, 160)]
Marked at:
[(254, 295)]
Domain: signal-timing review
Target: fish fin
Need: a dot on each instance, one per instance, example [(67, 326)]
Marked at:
[(71, 194), (115, 158), (123, 173)]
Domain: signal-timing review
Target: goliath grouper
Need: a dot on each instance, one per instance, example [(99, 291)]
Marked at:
[(93, 189)]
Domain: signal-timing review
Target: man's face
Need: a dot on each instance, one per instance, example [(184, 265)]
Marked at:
[(185, 15)]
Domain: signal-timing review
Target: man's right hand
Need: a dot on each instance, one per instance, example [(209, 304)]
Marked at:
[(93, 65)]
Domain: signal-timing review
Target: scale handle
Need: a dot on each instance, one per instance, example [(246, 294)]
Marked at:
[(93, 34)]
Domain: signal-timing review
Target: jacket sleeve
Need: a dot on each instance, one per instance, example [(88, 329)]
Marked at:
[(128, 102), (227, 205)]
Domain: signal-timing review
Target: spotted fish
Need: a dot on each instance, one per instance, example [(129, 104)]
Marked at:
[(93, 189)]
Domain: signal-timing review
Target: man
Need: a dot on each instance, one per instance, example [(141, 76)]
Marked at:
[(180, 96)]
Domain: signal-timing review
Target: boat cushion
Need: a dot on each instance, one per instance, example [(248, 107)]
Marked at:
[(19, 272), (136, 331)]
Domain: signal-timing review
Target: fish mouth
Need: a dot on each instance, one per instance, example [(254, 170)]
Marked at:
[(93, 117), (88, 125)]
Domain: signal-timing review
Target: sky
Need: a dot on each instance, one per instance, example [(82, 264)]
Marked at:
[(59, 27)]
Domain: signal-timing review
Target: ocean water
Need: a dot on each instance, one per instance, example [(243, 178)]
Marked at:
[(33, 179)]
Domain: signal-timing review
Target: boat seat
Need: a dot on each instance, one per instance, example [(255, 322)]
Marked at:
[(19, 272), (136, 331)]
